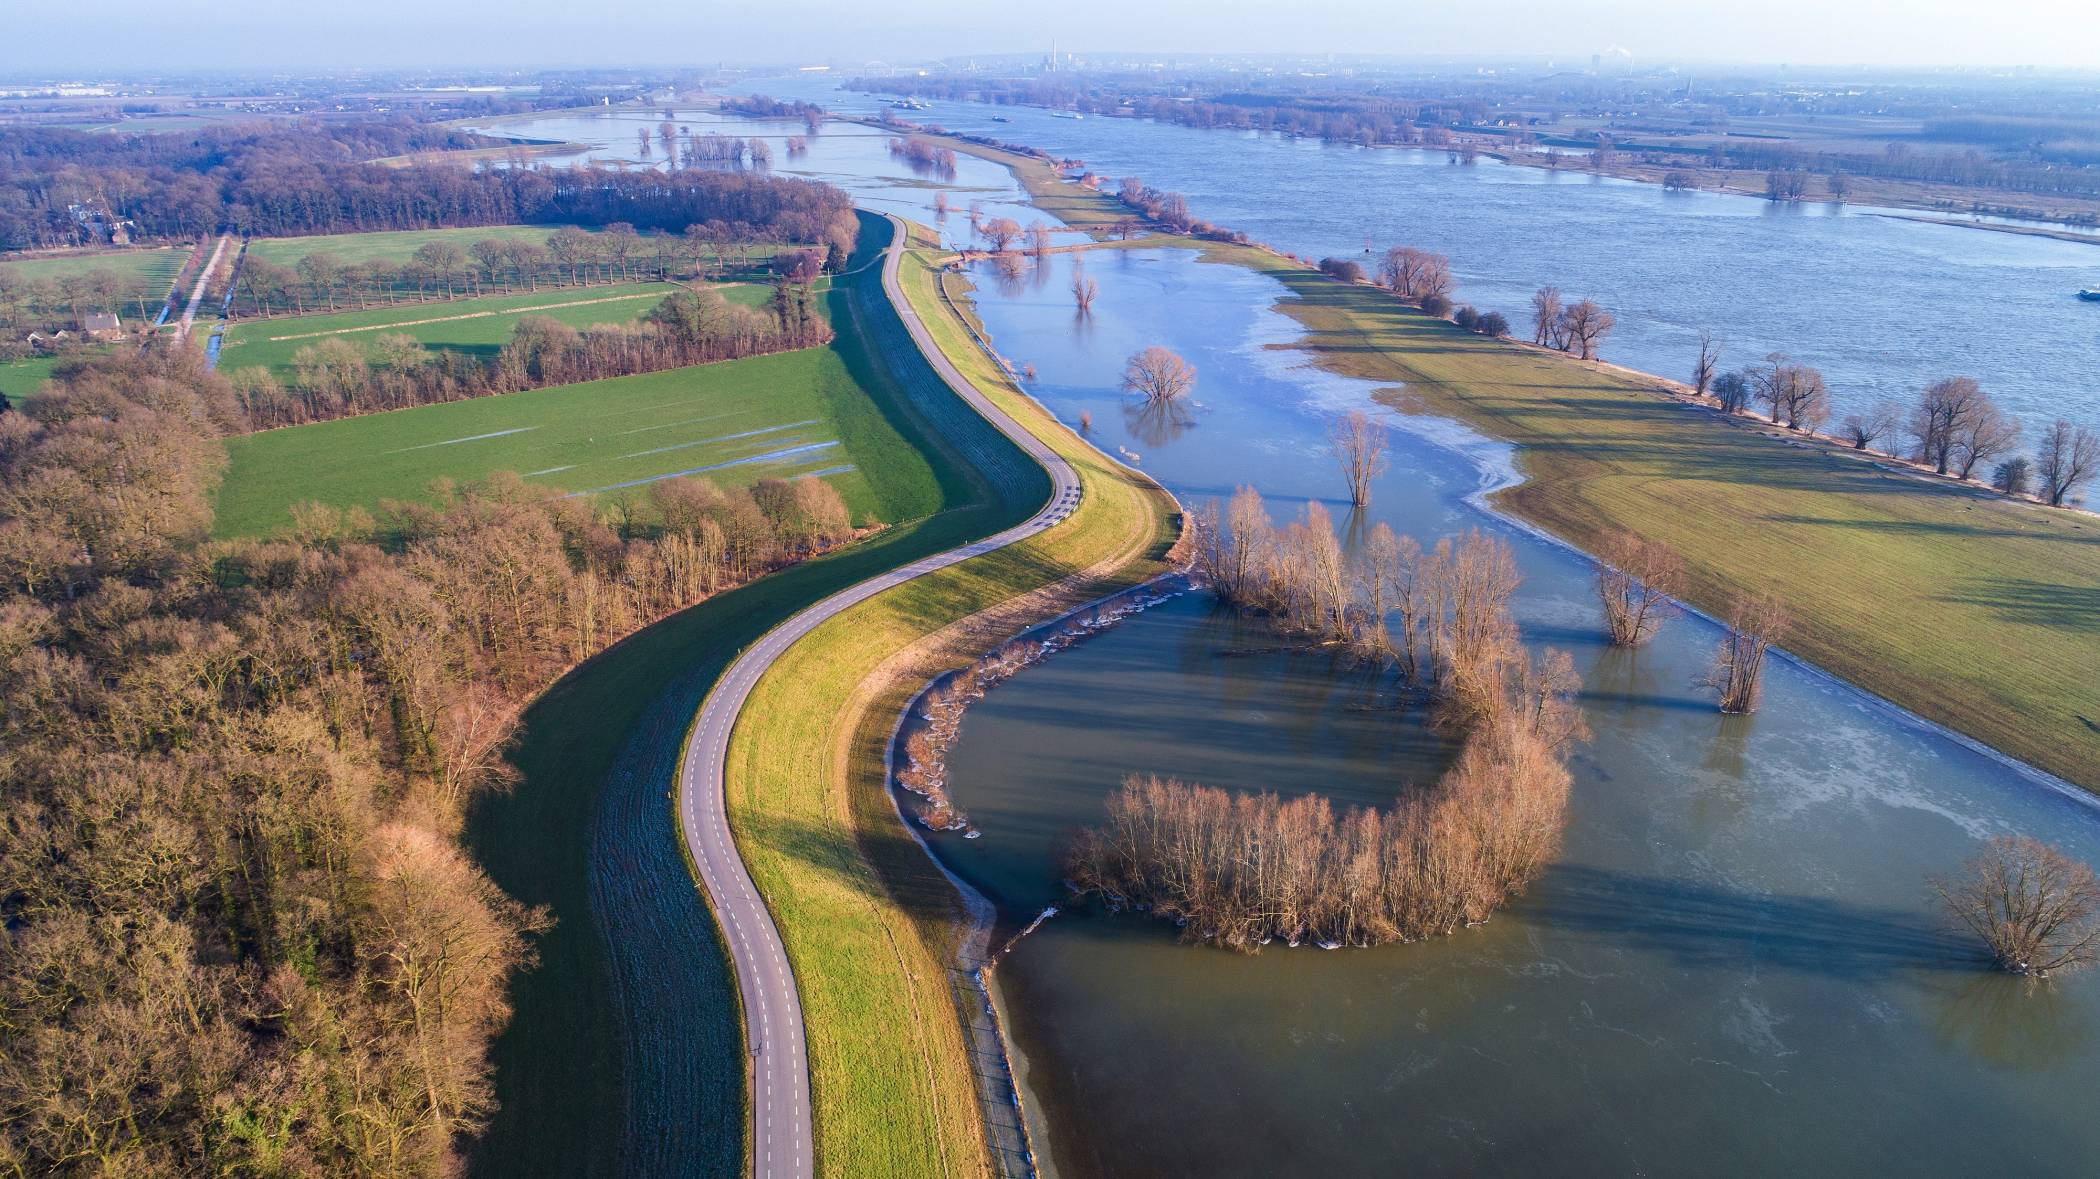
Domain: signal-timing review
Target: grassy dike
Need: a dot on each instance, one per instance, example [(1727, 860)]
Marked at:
[(625, 1050), (1972, 611), (869, 923)]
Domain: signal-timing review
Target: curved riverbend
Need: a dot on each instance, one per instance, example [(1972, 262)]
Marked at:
[(781, 1141)]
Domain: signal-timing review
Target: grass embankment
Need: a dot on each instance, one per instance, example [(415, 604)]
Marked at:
[(640, 1049), (643, 1047), (477, 326), (869, 923), (1970, 610), (733, 422)]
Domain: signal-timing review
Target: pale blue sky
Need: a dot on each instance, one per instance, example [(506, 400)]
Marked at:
[(295, 34)]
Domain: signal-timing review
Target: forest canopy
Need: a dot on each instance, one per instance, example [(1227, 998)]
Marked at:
[(283, 180)]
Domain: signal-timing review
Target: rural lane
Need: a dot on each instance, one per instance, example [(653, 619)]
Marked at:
[(211, 267), (781, 1142)]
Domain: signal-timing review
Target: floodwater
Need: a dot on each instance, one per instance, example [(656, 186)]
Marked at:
[(1882, 305), (1733, 966)]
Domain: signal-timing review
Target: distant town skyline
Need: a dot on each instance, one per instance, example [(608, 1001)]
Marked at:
[(264, 36)]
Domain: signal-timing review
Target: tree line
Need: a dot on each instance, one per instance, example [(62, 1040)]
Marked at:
[(334, 377), (286, 180), (1240, 870), (323, 280), (241, 935), (1951, 427)]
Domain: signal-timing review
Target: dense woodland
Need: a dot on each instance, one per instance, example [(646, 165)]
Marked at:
[(242, 938), (281, 180)]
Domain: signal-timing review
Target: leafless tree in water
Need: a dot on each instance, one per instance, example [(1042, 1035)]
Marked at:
[(1358, 443), (1636, 583), (1739, 662), (1158, 375), (2037, 909)]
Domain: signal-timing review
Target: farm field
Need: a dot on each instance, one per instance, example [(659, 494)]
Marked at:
[(478, 326), (734, 422), (19, 378), (386, 245), (398, 246), (1991, 636), (146, 272)]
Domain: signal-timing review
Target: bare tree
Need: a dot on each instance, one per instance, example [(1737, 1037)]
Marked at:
[(1159, 376), (1357, 442), (1545, 317), (1943, 413), (1879, 421), (1416, 275), (1732, 390), (2037, 909), (2066, 460), (1986, 434), (1794, 393), (1002, 232), (1635, 584), (1038, 239), (1704, 368), (1083, 291), (1739, 662), (1583, 327)]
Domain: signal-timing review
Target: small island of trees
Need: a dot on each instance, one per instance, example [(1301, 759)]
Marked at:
[(1240, 870)]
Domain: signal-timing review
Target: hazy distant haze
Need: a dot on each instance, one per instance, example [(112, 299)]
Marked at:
[(294, 35)]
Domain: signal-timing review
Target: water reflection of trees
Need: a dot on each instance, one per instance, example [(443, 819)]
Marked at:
[(1156, 423), (1702, 925), (2011, 1023)]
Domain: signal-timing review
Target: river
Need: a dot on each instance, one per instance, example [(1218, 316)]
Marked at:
[(1733, 966)]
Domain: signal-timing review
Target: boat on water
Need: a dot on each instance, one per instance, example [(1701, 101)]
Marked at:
[(1001, 119), (1068, 114), (2090, 294)]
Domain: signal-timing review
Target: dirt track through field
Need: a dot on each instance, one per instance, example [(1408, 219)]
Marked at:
[(381, 327)]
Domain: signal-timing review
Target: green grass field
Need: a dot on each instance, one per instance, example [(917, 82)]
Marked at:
[(478, 326), (397, 246), (19, 379), (146, 271), (733, 422), (385, 246), (1970, 610)]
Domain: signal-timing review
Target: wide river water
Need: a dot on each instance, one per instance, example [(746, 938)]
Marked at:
[(1733, 966)]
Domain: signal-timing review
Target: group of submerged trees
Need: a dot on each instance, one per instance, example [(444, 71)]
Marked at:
[(923, 155), (335, 378), (1237, 871), (241, 934)]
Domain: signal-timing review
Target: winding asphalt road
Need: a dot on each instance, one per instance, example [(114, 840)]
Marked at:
[(781, 1142)]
